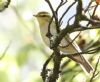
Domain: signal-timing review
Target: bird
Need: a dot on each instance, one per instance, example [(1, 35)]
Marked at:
[(44, 19)]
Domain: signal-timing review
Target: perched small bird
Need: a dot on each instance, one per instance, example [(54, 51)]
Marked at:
[(43, 20)]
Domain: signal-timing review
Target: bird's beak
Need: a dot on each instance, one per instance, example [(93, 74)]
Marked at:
[(35, 15)]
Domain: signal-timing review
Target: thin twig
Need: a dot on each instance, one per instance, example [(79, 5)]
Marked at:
[(88, 6), (60, 5), (95, 10), (66, 11), (93, 13), (65, 63), (95, 70), (49, 35), (5, 51), (91, 51), (71, 41), (70, 19)]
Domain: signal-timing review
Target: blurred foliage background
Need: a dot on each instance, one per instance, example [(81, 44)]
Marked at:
[(27, 53)]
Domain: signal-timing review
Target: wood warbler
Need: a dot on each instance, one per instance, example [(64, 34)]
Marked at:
[(44, 20)]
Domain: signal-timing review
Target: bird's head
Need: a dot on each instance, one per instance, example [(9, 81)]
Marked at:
[(43, 17)]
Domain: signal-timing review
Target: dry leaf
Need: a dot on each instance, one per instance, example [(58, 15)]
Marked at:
[(98, 2)]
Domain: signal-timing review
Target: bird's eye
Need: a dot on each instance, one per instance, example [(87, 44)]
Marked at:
[(43, 16)]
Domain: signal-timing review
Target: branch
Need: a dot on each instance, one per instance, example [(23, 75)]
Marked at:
[(54, 15), (54, 43), (44, 70), (70, 29), (85, 28), (91, 21), (78, 16), (56, 69)]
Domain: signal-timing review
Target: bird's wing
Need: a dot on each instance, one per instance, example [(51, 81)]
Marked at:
[(71, 48)]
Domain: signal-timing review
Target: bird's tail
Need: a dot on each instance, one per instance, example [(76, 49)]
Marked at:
[(83, 62), (86, 66), (79, 58)]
